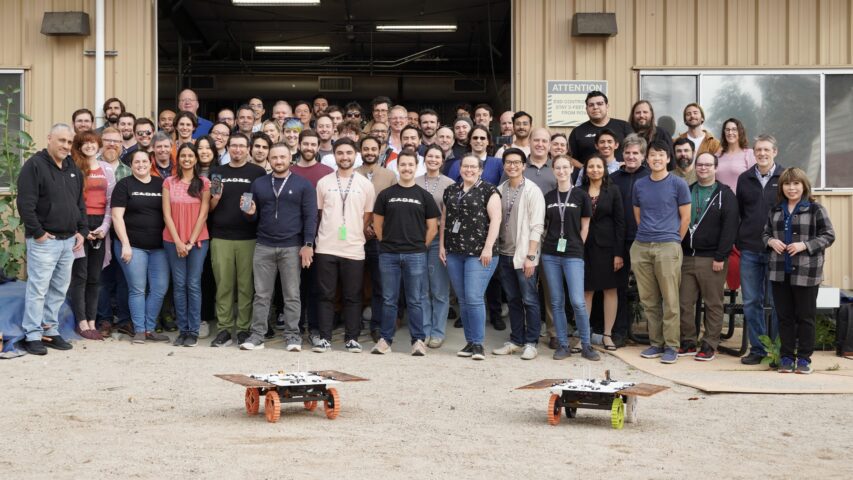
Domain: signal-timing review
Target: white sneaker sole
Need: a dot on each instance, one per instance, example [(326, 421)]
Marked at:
[(251, 346), (294, 348)]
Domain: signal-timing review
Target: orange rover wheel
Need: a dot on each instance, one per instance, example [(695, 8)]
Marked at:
[(272, 407), (311, 406), (253, 401), (554, 406), (332, 404)]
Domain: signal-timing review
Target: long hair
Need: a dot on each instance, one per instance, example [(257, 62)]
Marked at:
[(194, 189), (605, 180), (791, 175), (741, 135), (212, 146), (77, 153), (488, 138)]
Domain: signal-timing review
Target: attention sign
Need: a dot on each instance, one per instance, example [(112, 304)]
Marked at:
[(565, 105)]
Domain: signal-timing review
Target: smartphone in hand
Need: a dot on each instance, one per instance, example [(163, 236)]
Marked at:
[(216, 184), (246, 202)]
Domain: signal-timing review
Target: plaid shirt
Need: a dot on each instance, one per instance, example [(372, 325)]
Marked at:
[(810, 224)]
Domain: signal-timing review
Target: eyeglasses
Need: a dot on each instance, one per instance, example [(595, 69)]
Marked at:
[(704, 165), (111, 142), (220, 134), (144, 133), (513, 162), (479, 138), (730, 130), (378, 131)]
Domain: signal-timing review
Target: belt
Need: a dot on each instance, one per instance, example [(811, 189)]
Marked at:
[(62, 236)]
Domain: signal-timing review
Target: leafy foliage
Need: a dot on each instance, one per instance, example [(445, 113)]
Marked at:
[(773, 348)]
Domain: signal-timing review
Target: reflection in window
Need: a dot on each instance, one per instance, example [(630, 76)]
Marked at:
[(8, 83), (668, 95), (839, 142)]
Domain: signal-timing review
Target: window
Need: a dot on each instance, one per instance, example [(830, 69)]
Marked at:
[(11, 80), (808, 111)]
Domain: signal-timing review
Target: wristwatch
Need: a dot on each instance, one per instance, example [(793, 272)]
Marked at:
[(309, 244), (531, 257)]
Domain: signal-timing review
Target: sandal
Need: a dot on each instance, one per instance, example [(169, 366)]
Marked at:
[(606, 346)]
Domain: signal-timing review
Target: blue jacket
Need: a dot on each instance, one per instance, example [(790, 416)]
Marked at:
[(297, 212)]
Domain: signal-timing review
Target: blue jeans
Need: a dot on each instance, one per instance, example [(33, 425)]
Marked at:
[(571, 270), (371, 263), (469, 279), (753, 284), (147, 268), (522, 296), (394, 266), (436, 294), (48, 277), (186, 285)]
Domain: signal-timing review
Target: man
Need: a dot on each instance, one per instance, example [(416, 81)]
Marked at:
[(661, 206), (463, 110), (405, 220), (386, 153), (143, 131), (643, 123), (713, 228), (281, 111), (461, 128), (188, 101), (128, 140), (232, 242), (52, 209), (684, 160), (522, 122), (413, 118), (260, 150), (381, 178), (410, 138), (257, 106), (347, 129), (285, 206), (582, 138), (334, 112), (694, 118), (632, 169), (397, 119), (354, 112), (379, 108), (523, 213), (483, 115), (756, 194), (506, 123), (606, 145), (429, 126), (83, 120), (113, 107), (319, 104), (166, 122), (246, 120), (226, 116), (345, 201), (162, 166), (325, 130), (220, 132)]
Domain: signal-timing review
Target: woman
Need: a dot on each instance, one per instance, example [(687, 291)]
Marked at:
[(186, 201), (470, 223), (185, 125), (603, 249), (207, 155), (559, 145), (302, 111), (437, 293), (734, 156), (290, 132), (480, 142), (137, 210), (207, 158), (271, 129), (98, 184), (567, 215), (798, 231)]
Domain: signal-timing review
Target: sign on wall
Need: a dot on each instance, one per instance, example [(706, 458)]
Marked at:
[(564, 101)]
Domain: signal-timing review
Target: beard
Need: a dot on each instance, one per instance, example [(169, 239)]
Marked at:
[(683, 163), (110, 154), (112, 119)]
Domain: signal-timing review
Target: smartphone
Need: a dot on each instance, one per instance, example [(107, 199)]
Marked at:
[(216, 184), (246, 201), (504, 140)]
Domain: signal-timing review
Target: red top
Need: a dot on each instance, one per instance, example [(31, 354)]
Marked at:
[(96, 192), (185, 209)]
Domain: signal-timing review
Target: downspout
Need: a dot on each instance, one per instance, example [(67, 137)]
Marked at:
[(99, 63)]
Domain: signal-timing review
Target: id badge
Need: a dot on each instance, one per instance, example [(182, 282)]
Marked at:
[(456, 225), (342, 232), (561, 245)]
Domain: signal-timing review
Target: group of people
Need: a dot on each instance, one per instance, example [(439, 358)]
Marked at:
[(254, 216)]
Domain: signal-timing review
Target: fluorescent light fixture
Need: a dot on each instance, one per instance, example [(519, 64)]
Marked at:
[(292, 48), (447, 27), (276, 3)]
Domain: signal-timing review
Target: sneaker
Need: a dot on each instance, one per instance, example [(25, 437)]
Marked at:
[(322, 346), (242, 337), (435, 342), (56, 342), (381, 347), (508, 349), (804, 366), (418, 348), (499, 324), (529, 352), (467, 350), (553, 343), (190, 340), (279, 322), (753, 359), (457, 323), (294, 344), (562, 353), (204, 329), (574, 344), (179, 342), (787, 365), (687, 349), (375, 335), (269, 334), (155, 337), (652, 352), (589, 353), (223, 339), (353, 347), (254, 342), (706, 353), (34, 347), (314, 339), (670, 355)]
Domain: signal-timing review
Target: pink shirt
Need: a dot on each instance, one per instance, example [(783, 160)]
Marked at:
[(730, 166), (336, 214), (185, 209)]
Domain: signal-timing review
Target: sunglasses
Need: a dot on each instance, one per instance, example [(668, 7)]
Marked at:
[(144, 133), (353, 114)]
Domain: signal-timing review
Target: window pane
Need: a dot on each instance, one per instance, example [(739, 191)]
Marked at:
[(839, 142), (8, 83), (668, 95), (785, 106)]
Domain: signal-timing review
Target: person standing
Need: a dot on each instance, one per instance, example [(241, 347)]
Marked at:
[(405, 219), (703, 140), (53, 211), (285, 206), (480, 141), (582, 139), (735, 155)]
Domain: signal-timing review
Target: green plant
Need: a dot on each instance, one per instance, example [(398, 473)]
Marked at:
[(15, 145), (824, 333), (773, 348)]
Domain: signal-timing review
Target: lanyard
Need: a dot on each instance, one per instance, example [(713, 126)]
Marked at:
[(462, 193), (511, 203), (278, 192), (562, 208), (344, 195)]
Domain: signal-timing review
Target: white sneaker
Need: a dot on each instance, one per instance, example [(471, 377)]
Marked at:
[(418, 348), (381, 347), (254, 342), (508, 349), (203, 330), (353, 347), (529, 352), (294, 346), (322, 346)]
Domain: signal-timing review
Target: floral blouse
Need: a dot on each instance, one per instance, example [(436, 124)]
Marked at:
[(467, 215)]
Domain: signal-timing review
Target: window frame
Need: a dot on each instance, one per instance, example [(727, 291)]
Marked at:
[(5, 189)]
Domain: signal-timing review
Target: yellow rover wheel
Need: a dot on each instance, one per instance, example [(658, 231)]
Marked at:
[(617, 413), (554, 405)]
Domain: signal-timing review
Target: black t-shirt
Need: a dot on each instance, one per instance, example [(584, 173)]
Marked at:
[(143, 214), (227, 221), (582, 138), (577, 206), (405, 211)]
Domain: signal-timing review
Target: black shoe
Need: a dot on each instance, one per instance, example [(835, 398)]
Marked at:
[(499, 324), (477, 352), (457, 323), (190, 340), (619, 340), (375, 335), (126, 328), (223, 339), (34, 347), (752, 359), (55, 341), (466, 351), (270, 333), (553, 344), (168, 324), (179, 342), (241, 337)]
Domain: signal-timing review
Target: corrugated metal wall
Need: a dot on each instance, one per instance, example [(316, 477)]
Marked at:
[(684, 34), (59, 78)]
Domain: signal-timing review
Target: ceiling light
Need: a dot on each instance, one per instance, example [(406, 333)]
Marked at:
[(276, 3), (292, 48), (447, 27)]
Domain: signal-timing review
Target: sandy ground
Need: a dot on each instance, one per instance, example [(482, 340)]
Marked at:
[(112, 409)]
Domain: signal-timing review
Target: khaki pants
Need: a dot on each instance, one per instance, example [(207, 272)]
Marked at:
[(657, 268), (699, 280), (231, 262)]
